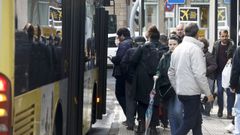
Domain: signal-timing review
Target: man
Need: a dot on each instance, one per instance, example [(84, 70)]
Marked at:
[(180, 31), (125, 42), (130, 83), (235, 86), (187, 74), (223, 51)]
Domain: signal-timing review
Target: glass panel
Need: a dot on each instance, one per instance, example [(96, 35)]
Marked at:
[(151, 15), (38, 51), (90, 48), (223, 15)]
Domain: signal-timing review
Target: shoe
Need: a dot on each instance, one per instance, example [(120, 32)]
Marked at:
[(124, 123), (130, 127), (153, 131), (229, 116), (220, 114), (206, 113), (230, 128), (141, 127)]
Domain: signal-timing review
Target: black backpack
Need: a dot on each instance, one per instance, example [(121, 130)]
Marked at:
[(150, 58)]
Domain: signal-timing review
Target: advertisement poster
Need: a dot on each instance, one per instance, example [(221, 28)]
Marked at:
[(189, 14)]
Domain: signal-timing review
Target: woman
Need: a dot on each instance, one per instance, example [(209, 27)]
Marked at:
[(211, 69), (145, 61), (169, 98)]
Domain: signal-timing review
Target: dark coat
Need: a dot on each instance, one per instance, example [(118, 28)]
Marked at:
[(144, 81), (229, 53), (126, 66), (122, 49), (163, 82), (235, 73), (211, 65), (162, 69)]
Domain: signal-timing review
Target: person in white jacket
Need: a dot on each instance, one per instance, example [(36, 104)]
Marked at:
[(187, 74)]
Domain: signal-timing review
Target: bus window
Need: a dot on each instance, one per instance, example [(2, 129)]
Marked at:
[(38, 47)]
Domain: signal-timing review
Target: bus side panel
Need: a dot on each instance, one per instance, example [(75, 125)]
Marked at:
[(90, 77)]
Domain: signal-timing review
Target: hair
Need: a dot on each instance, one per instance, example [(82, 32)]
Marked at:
[(175, 37), (223, 31), (123, 31), (30, 32), (205, 42), (163, 38), (153, 33), (191, 30), (139, 40)]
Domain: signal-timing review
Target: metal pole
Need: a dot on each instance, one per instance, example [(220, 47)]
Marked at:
[(140, 17), (131, 24)]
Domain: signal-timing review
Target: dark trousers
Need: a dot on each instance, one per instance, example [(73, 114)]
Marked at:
[(142, 108), (120, 93), (192, 115), (131, 103), (220, 100)]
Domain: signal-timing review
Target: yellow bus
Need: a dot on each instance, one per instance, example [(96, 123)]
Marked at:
[(52, 66)]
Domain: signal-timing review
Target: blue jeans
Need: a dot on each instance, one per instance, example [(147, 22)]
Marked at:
[(220, 100), (175, 113), (237, 115), (192, 119)]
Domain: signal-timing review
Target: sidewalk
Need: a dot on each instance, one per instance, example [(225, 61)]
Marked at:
[(211, 125)]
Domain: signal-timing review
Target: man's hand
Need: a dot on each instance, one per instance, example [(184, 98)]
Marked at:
[(110, 57), (232, 90), (210, 98)]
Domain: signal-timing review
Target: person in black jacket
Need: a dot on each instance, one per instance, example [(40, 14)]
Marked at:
[(169, 98), (235, 86), (125, 43), (211, 69), (130, 89), (223, 50), (145, 61)]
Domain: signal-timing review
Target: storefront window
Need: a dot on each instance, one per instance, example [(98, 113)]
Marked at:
[(223, 15), (151, 14)]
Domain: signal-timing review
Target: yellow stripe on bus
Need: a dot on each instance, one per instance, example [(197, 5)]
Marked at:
[(7, 38)]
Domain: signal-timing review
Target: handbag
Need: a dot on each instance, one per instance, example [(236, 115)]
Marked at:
[(226, 73), (166, 92)]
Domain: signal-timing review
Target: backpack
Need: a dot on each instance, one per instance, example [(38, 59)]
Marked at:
[(150, 59)]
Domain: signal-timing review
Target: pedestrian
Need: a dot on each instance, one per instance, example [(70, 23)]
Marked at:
[(145, 61), (235, 86), (169, 99), (164, 117), (187, 74), (130, 77), (223, 50), (180, 31), (125, 43), (211, 70)]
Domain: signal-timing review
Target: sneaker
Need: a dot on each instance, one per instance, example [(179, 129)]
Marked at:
[(124, 123), (230, 128), (220, 114), (206, 113), (130, 127), (230, 116)]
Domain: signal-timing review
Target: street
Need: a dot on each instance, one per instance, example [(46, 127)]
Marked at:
[(111, 122)]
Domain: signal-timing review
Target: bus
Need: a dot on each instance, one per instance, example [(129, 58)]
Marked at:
[(53, 58)]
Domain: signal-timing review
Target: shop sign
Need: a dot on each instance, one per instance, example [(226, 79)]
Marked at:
[(222, 14), (169, 7), (227, 1), (55, 16), (189, 14), (176, 1)]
